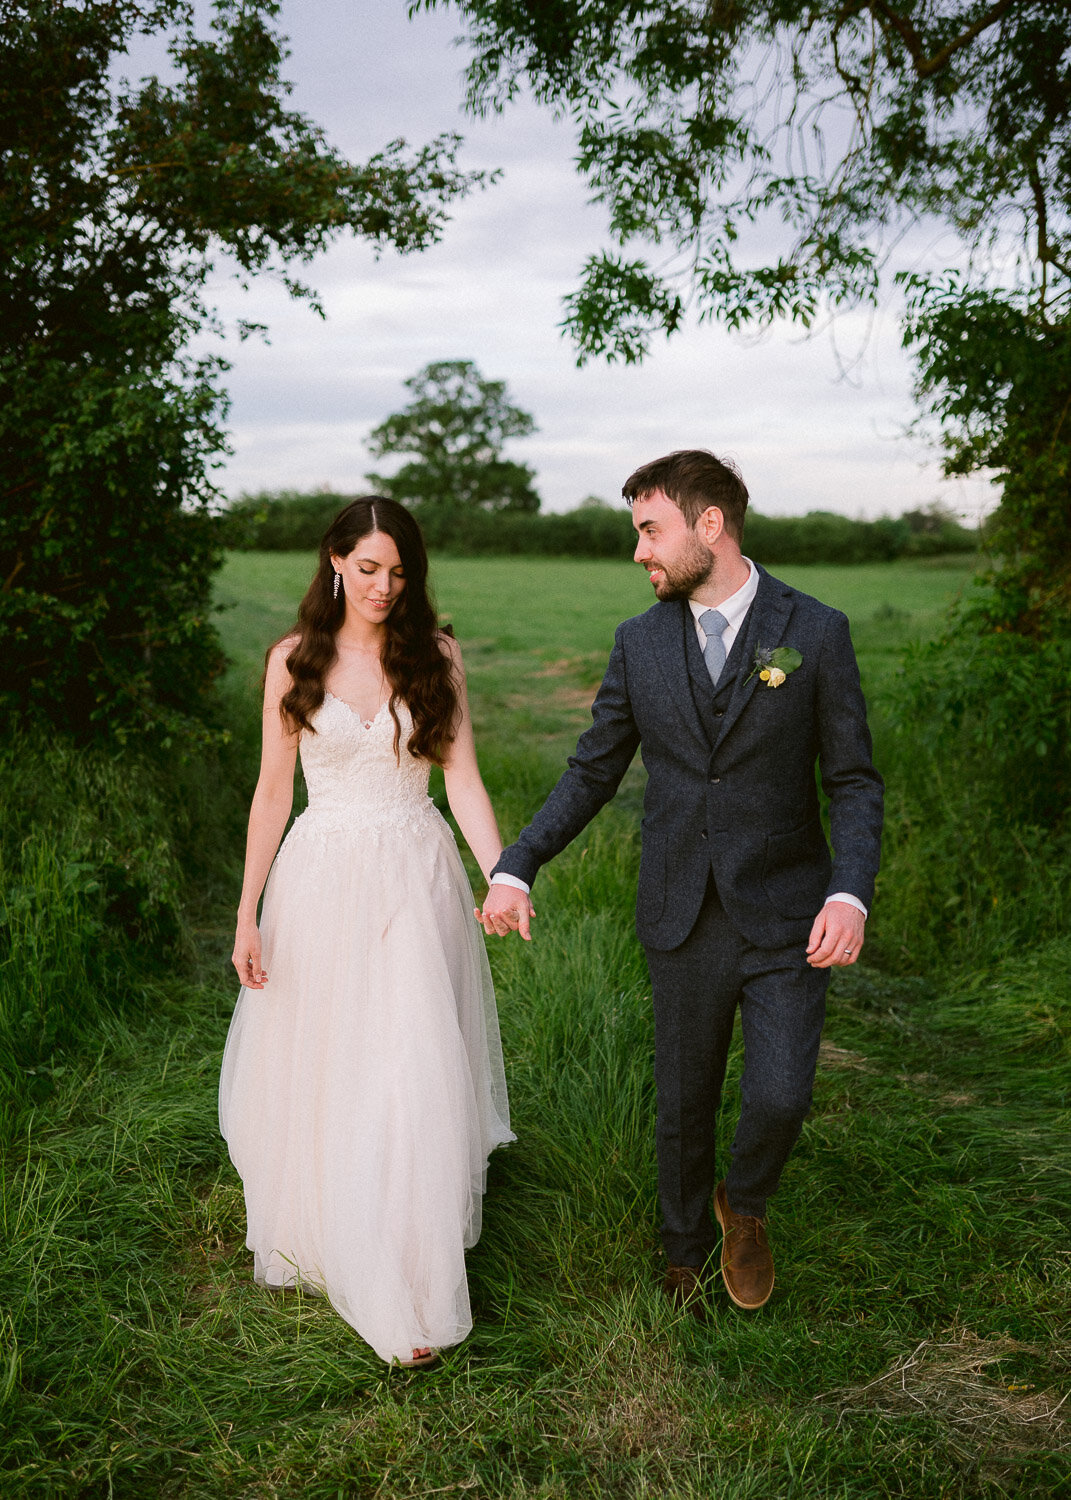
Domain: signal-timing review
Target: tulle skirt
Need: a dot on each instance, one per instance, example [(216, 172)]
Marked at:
[(362, 1089)]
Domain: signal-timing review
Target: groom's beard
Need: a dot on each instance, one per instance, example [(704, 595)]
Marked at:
[(689, 572)]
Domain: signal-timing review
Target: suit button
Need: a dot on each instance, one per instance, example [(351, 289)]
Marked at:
[(703, 833), (714, 780), (719, 713)]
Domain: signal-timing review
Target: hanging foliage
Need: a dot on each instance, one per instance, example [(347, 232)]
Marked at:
[(116, 199)]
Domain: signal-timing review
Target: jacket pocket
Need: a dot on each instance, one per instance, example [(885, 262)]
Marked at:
[(796, 870)]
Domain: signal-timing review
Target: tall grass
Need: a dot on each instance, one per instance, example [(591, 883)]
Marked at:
[(87, 871), (978, 845), (916, 1344), (108, 863)]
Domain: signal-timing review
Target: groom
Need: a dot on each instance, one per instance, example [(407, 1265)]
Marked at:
[(733, 686)]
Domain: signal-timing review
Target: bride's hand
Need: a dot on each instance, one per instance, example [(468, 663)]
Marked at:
[(246, 956), (506, 909)]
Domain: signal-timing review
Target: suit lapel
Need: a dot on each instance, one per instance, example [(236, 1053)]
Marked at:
[(670, 649), (764, 626), (703, 693)]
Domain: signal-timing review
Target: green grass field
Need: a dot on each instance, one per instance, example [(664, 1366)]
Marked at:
[(536, 632), (917, 1343)]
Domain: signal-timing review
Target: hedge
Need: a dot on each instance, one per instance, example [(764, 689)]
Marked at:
[(287, 521)]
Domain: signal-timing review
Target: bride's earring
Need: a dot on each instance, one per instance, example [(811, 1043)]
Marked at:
[(338, 580)]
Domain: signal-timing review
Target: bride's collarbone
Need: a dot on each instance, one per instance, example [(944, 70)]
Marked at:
[(358, 681), (358, 712)]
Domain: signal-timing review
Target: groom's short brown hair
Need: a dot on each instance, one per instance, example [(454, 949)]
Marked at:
[(694, 480)]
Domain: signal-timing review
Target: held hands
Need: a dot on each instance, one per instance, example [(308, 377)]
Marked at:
[(506, 909), (246, 956), (836, 937)]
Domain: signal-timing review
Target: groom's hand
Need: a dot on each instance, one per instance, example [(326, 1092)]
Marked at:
[(836, 937), (506, 909)]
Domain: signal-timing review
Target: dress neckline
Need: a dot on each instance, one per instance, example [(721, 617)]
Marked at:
[(364, 723)]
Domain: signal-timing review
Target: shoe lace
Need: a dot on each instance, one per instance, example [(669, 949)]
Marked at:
[(748, 1227)]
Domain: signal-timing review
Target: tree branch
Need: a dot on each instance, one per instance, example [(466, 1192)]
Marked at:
[(20, 563), (925, 66), (1041, 211), (149, 166)]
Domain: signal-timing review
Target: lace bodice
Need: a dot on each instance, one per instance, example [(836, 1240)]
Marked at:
[(353, 777)]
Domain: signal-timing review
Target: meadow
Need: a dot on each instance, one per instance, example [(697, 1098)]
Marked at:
[(917, 1343)]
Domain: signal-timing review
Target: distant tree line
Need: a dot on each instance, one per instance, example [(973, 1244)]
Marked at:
[(286, 520)]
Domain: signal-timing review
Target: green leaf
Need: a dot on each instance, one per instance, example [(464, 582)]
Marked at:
[(786, 657)]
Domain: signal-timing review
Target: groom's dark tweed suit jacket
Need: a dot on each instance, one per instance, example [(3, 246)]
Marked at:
[(731, 773)]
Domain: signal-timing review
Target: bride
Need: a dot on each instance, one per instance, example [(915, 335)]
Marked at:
[(362, 1088)]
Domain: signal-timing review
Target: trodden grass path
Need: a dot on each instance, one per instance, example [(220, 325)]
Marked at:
[(917, 1343)]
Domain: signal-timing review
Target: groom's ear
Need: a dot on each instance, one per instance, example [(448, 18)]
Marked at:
[(711, 525)]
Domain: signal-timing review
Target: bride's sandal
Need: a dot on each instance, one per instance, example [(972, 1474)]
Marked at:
[(419, 1361)]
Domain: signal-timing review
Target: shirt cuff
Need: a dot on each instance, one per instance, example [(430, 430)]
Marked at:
[(518, 885), (850, 900)]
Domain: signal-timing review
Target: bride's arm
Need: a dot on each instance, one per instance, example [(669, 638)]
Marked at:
[(268, 815), (468, 798)]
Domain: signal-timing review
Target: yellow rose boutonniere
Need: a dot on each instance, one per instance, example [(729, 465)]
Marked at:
[(773, 666)]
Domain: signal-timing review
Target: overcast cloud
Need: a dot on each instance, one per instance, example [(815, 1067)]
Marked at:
[(303, 404)]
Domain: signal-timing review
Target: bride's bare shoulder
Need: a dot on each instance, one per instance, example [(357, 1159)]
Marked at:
[(449, 646), (276, 673), (282, 649)]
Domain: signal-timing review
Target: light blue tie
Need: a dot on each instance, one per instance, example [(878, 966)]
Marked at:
[(713, 623)]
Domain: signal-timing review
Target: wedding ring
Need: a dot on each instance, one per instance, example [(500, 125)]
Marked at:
[(847, 953)]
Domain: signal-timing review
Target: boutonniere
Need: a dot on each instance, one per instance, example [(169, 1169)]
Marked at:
[(773, 666)]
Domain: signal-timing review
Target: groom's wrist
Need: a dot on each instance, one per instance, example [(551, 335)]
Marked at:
[(512, 880), (848, 900)]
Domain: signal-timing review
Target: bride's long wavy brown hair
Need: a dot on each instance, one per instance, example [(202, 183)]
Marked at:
[(415, 667)]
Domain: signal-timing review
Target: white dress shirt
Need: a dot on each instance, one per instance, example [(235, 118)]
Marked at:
[(734, 612), (733, 609)]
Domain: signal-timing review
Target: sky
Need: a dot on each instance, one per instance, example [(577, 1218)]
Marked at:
[(303, 403)]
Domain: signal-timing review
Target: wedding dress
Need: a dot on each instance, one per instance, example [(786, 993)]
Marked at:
[(362, 1089)]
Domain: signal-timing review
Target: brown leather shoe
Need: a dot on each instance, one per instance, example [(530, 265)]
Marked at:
[(746, 1261), (684, 1288)]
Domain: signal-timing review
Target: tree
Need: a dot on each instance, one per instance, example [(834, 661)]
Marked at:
[(995, 369), (115, 202), (770, 151), (456, 425)]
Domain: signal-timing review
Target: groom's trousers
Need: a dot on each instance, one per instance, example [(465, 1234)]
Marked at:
[(697, 989)]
